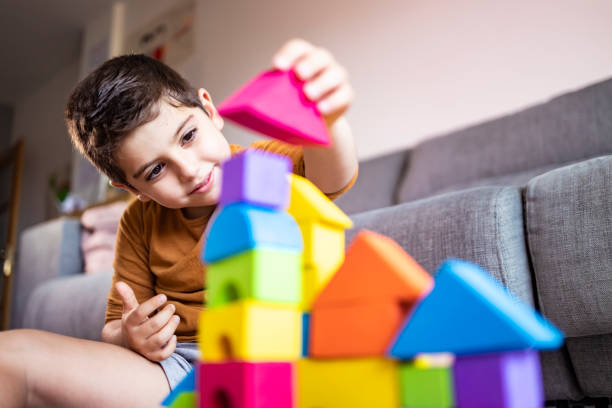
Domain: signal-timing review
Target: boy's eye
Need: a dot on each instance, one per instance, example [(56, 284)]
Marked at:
[(189, 136), (155, 171)]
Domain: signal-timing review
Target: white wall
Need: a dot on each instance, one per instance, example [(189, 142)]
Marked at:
[(419, 68), (39, 120)]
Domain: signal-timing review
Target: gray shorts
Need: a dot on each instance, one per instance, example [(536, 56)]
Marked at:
[(180, 362)]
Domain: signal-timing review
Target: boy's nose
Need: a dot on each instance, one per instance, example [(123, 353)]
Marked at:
[(188, 169)]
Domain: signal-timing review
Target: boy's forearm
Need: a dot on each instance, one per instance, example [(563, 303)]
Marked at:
[(331, 168), (111, 333)]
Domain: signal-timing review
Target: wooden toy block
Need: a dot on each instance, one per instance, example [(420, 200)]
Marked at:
[(359, 330), (308, 203), (375, 268), (274, 104), (273, 275), (240, 227), (305, 334), (185, 386), (353, 383), (430, 387), (246, 385), (502, 380), (468, 312), (250, 330), (256, 177)]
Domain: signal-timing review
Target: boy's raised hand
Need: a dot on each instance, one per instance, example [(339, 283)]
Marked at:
[(326, 80), (153, 337)]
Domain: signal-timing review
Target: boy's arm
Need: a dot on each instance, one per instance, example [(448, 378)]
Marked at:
[(326, 83), (332, 168)]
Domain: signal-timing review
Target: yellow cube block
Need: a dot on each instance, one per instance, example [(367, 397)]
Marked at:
[(307, 202), (323, 255), (323, 245), (313, 282), (250, 330), (348, 383)]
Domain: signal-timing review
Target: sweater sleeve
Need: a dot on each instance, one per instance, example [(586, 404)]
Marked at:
[(131, 261), (297, 157)]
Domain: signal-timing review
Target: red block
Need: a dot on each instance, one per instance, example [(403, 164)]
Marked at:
[(245, 385)]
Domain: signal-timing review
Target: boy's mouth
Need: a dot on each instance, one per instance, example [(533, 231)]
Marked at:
[(205, 185)]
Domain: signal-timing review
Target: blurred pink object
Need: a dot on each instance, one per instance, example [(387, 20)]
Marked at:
[(274, 104), (99, 233)]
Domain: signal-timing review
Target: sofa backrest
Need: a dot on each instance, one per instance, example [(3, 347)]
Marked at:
[(376, 184), (568, 128)]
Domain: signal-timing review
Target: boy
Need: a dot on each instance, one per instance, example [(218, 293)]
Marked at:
[(152, 134)]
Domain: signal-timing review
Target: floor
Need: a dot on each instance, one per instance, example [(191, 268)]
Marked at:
[(587, 403)]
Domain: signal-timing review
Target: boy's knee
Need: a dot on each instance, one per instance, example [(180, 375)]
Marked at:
[(16, 342)]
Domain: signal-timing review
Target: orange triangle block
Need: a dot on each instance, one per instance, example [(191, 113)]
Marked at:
[(375, 269), (274, 104)]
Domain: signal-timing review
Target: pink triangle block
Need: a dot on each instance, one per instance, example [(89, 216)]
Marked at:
[(274, 104)]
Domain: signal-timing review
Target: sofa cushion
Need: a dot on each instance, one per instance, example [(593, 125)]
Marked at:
[(591, 357), (559, 378), (519, 179), (483, 225), (72, 306), (568, 128), (569, 232), (376, 185), (46, 250)]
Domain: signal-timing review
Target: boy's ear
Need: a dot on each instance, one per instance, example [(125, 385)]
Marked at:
[(131, 189), (206, 101)]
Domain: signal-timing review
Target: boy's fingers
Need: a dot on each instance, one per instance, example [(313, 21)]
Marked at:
[(163, 336), (148, 307), (289, 53), (313, 63), (155, 323), (165, 352), (326, 82), (337, 102), (127, 297)]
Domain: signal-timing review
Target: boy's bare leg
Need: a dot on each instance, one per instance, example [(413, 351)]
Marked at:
[(44, 369)]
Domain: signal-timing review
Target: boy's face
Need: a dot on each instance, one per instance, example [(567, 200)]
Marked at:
[(175, 158)]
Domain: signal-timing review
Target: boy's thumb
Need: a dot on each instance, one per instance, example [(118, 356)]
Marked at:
[(127, 296)]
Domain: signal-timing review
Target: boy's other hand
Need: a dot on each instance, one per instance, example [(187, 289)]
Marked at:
[(326, 81), (151, 336)]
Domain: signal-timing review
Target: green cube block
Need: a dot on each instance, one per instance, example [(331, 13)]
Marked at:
[(426, 387), (268, 274), (184, 400)]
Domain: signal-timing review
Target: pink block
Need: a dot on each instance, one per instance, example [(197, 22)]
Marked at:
[(245, 385), (274, 104)]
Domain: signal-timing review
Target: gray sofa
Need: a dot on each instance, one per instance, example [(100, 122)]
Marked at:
[(528, 196)]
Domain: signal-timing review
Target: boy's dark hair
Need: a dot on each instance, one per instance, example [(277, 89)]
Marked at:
[(119, 96)]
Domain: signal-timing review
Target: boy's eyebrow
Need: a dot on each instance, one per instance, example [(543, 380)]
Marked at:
[(178, 132)]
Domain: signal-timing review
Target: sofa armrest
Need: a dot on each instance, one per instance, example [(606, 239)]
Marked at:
[(71, 305), (46, 250)]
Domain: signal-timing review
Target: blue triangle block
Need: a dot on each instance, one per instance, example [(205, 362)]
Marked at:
[(187, 384), (469, 312), (239, 227)]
